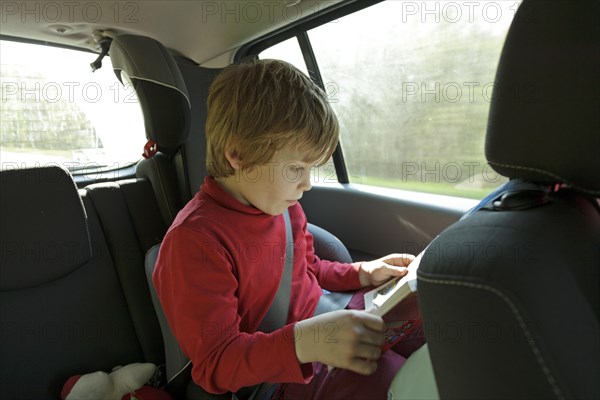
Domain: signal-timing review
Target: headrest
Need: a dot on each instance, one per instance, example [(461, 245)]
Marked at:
[(544, 121), (158, 84), (44, 232)]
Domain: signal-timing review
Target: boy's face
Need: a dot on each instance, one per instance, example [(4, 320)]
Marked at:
[(273, 187)]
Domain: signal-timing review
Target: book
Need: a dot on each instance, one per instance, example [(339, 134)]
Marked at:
[(397, 303)]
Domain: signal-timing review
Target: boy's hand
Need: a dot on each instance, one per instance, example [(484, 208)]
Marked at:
[(348, 339), (376, 272)]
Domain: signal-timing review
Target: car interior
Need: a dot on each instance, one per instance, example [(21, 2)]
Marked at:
[(509, 282)]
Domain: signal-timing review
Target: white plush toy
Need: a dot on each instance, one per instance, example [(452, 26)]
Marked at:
[(122, 383)]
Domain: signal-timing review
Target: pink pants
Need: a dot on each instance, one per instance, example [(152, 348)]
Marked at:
[(343, 384)]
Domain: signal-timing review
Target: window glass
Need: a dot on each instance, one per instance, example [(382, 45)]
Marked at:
[(288, 50), (55, 110), (411, 83)]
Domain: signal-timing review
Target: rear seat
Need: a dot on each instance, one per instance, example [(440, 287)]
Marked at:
[(131, 223), (73, 293), (71, 301), (49, 306)]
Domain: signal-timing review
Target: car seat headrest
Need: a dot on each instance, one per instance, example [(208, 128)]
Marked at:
[(159, 85), (44, 229), (544, 121)]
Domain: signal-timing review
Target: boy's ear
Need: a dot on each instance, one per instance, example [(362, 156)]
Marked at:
[(234, 159)]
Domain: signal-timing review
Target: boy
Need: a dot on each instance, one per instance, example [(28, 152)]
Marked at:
[(221, 261)]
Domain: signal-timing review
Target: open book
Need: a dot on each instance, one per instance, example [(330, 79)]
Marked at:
[(397, 303)]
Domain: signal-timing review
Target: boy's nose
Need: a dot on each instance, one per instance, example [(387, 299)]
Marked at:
[(305, 183)]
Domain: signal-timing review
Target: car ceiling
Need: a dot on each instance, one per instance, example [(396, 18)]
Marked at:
[(206, 32)]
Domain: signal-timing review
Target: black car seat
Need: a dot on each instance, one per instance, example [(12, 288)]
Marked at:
[(161, 90), (166, 104), (510, 294), (63, 309)]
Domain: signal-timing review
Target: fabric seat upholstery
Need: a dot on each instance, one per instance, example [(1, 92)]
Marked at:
[(131, 224), (62, 307), (509, 295)]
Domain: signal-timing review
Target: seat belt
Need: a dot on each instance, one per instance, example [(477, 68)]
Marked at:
[(331, 301), (276, 316)]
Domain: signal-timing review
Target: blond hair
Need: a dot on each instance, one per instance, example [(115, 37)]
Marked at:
[(257, 107)]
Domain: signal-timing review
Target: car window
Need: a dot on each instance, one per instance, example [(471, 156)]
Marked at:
[(55, 110), (288, 50), (412, 89)]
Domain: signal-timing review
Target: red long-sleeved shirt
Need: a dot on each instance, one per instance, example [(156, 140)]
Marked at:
[(218, 270)]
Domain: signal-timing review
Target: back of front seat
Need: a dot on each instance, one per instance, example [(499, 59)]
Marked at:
[(510, 295)]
